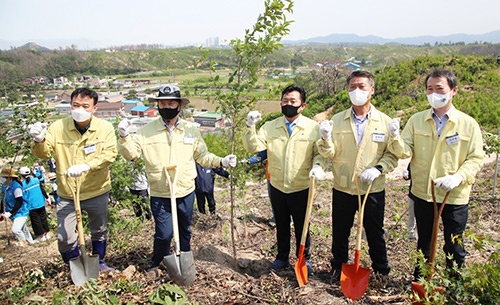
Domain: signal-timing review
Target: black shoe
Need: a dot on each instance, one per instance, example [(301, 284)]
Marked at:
[(335, 276)]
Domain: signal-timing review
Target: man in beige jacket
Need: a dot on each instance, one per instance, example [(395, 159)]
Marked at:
[(169, 140), (356, 140), (292, 158)]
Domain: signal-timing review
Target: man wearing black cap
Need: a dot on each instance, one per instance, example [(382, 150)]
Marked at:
[(169, 140)]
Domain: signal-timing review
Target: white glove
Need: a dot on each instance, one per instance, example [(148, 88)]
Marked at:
[(124, 127), (394, 128), (253, 117), (7, 214), (229, 160), (369, 175), (449, 182), (37, 131), (77, 170), (318, 172), (325, 128), (54, 187)]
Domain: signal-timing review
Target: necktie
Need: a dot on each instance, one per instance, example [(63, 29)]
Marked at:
[(289, 127)]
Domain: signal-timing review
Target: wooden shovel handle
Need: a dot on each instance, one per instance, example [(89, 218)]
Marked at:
[(78, 210), (171, 173), (361, 214), (310, 198), (435, 225)]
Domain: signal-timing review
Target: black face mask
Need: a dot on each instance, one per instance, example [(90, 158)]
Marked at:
[(289, 111), (168, 113)]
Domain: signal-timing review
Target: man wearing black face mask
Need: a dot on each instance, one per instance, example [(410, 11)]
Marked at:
[(292, 158), (169, 140)]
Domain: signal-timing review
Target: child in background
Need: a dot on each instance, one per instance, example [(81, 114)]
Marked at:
[(53, 184)]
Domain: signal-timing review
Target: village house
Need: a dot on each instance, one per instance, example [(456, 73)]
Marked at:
[(63, 107), (209, 120), (109, 110), (144, 111), (116, 98)]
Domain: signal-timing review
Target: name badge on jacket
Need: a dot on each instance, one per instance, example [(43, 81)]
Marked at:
[(89, 149), (378, 137), (454, 139), (188, 140)]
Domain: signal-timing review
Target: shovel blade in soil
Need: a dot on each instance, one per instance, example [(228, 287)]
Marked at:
[(418, 289), (301, 268), (181, 268), (354, 281), (84, 268)]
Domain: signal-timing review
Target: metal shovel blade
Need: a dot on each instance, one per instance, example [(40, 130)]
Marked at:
[(181, 268), (84, 267), (419, 290), (301, 271), (354, 278), (301, 268)]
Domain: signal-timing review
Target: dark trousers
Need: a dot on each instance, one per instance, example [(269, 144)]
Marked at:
[(284, 206), (140, 203), (344, 209), (200, 201), (39, 221), (454, 219), (162, 214)]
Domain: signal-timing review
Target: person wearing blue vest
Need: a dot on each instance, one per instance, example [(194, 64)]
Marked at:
[(39, 172), (15, 208), (35, 197)]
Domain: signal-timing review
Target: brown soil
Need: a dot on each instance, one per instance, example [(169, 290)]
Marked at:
[(223, 280)]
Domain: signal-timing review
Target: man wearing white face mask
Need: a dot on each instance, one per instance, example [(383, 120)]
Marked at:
[(85, 146), (356, 140), (446, 148)]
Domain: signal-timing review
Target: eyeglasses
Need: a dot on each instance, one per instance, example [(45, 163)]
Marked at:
[(292, 102)]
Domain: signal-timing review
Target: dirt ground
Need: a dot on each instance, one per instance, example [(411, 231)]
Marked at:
[(223, 280)]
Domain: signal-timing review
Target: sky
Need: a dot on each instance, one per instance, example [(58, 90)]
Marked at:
[(102, 23)]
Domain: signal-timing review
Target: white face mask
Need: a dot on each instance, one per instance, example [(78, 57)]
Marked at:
[(437, 100), (80, 115), (358, 97)]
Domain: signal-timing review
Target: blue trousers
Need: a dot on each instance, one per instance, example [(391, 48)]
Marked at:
[(162, 213)]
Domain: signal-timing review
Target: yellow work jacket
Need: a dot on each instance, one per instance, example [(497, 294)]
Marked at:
[(349, 160), (290, 158), (459, 149), (160, 148), (96, 147)]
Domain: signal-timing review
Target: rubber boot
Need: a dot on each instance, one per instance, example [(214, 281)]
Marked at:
[(99, 247), (70, 254)]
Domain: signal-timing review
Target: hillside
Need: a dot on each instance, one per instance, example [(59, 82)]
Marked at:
[(36, 274), (29, 61)]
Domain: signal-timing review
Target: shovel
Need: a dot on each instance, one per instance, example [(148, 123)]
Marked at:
[(354, 278), (417, 288), (300, 266), (83, 267), (6, 225), (180, 265)]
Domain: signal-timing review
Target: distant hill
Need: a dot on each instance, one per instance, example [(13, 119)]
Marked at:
[(353, 39), (333, 39), (33, 47)]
